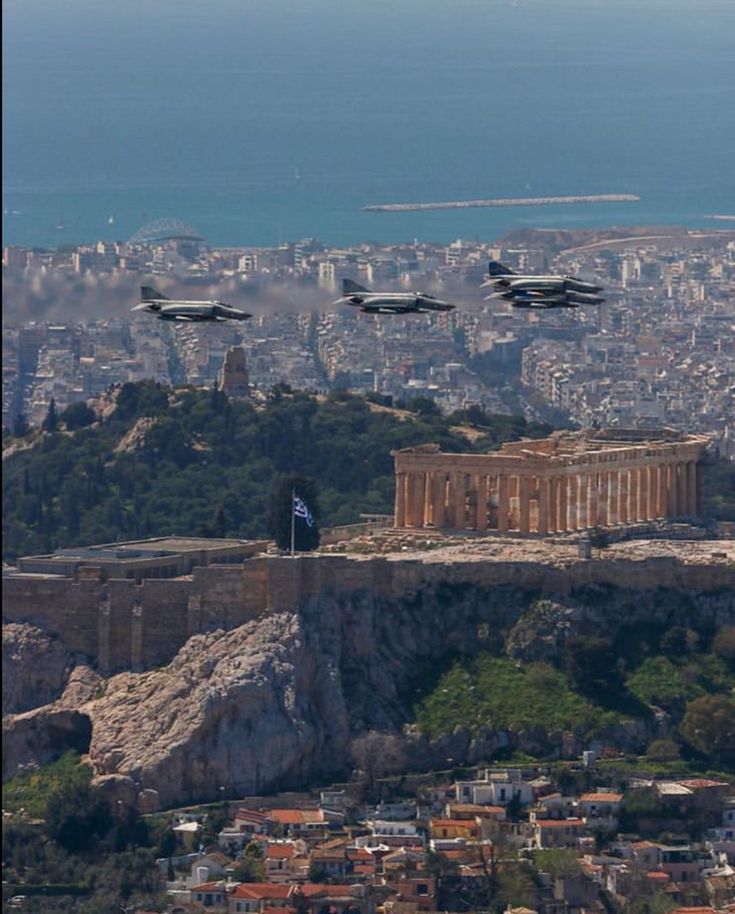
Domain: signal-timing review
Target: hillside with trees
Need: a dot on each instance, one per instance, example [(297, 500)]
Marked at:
[(192, 461)]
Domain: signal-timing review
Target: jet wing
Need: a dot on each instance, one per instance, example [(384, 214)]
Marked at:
[(388, 309), (438, 306), (530, 284)]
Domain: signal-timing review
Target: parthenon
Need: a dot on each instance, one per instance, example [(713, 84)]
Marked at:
[(569, 481)]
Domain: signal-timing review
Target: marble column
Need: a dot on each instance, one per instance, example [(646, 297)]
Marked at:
[(481, 510), (543, 505), (428, 511), (672, 490), (513, 490), (583, 489), (554, 503), (459, 501), (524, 504), (692, 501), (407, 499), (623, 506), (662, 491), (572, 496), (399, 514), (612, 498), (643, 493), (602, 496), (417, 499), (682, 490), (563, 503), (592, 502), (439, 498), (421, 485), (503, 503), (633, 502), (652, 491)]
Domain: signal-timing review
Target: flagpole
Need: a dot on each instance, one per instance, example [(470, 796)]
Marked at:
[(293, 521)]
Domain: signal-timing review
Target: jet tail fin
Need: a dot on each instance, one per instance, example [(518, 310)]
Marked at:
[(496, 268), (148, 293), (351, 288)]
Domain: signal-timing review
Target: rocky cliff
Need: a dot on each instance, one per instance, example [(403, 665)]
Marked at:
[(276, 702), (35, 668)]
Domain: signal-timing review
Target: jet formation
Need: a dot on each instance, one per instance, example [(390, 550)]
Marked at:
[(520, 290), (527, 291), (389, 302), (167, 309)]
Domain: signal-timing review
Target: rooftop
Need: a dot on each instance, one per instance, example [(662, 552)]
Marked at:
[(156, 547), (164, 556)]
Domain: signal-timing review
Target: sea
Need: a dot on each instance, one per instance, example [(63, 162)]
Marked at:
[(263, 121)]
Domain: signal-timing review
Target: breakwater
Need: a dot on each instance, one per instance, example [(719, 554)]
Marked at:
[(499, 201)]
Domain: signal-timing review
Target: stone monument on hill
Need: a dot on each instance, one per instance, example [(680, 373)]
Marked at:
[(570, 481), (234, 378)]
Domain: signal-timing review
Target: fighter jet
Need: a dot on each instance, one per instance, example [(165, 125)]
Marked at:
[(167, 309), (527, 291), (389, 302)]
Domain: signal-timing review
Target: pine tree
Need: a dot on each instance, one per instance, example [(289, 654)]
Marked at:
[(20, 426), (51, 422)]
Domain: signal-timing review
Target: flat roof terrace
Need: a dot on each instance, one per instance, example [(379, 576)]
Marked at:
[(158, 557)]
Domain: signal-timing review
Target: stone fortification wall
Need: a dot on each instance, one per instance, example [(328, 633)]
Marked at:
[(121, 625), (56, 605)]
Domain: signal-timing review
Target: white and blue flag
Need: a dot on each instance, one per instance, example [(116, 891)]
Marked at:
[(300, 510)]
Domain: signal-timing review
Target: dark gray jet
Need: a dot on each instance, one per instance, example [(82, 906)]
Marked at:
[(527, 291), (389, 302), (168, 309)]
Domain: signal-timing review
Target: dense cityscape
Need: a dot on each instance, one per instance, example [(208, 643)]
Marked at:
[(660, 351)]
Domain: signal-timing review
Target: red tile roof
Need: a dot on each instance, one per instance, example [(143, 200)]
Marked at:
[(314, 888), (251, 815), (601, 798), (696, 784), (359, 853), (452, 823), (258, 890), (287, 816), (280, 851), (558, 823), (459, 854)]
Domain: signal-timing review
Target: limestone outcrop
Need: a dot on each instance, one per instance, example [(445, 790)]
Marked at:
[(243, 710), (35, 668), (43, 735)]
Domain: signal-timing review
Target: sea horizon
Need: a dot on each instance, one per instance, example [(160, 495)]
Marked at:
[(262, 122)]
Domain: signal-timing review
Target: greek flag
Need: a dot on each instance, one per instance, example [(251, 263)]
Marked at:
[(300, 510)]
